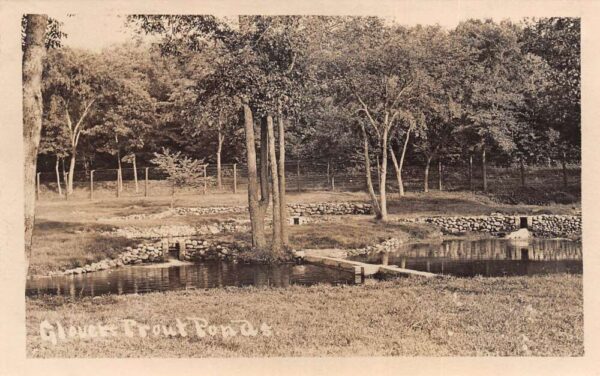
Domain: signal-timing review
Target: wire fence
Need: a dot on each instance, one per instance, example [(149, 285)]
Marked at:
[(301, 176)]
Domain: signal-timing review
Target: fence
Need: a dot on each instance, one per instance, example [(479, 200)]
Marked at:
[(300, 176)]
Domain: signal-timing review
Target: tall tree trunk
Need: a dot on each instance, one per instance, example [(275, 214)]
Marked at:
[(401, 164), (426, 178), (264, 164), (374, 200), (378, 169), (281, 172), (33, 56), (484, 169), (65, 176), (71, 171), (58, 177), (277, 242), (440, 187), (256, 218), (564, 169), (135, 177), (471, 172), (383, 175), (219, 148), (398, 173), (522, 168)]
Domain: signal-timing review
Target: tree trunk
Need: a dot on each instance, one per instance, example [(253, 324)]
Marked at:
[(71, 172), (440, 187), (401, 164), (471, 172), (426, 178), (256, 218), (484, 169), (383, 176), (58, 177), (264, 164), (374, 200), (135, 177), (281, 172), (564, 169), (522, 168), (398, 173), (33, 56), (219, 148), (378, 170), (65, 176), (277, 243)]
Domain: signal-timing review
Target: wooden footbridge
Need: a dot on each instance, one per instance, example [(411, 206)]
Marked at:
[(327, 257)]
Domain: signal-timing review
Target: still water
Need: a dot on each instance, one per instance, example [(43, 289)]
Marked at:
[(464, 258), (140, 279), (486, 257)]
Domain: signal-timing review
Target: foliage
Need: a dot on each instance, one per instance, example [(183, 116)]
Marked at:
[(180, 170)]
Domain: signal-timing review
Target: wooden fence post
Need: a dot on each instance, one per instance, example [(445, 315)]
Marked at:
[(37, 183), (440, 175), (146, 182), (118, 183), (204, 191), (92, 184), (234, 178), (471, 172), (298, 175)]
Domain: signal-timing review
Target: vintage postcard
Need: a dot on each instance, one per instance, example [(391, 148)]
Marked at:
[(331, 187)]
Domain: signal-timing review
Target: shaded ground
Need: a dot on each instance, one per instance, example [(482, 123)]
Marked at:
[(522, 316)]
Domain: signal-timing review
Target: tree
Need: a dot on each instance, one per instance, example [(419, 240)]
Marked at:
[(492, 75), (557, 40), (126, 112), (72, 77), (54, 140), (255, 66), (180, 170), (371, 71), (34, 52)]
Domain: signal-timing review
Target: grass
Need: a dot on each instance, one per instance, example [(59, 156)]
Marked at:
[(356, 233), (61, 245), (519, 316)]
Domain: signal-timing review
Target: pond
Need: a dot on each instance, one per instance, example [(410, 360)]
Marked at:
[(486, 257), (140, 279)]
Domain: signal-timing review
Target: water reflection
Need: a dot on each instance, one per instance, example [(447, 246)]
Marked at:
[(487, 257), (206, 275)]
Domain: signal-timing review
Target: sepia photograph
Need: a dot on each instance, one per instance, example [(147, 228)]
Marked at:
[(301, 185)]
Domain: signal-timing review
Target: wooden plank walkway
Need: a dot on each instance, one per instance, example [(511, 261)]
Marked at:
[(364, 268)]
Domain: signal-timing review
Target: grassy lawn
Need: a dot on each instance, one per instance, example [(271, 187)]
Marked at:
[(67, 232), (521, 316)]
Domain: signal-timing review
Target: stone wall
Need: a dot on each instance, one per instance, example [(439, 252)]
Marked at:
[(180, 230), (540, 225), (199, 250), (143, 253), (295, 210), (329, 208)]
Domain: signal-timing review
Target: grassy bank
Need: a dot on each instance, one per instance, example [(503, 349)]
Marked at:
[(522, 316)]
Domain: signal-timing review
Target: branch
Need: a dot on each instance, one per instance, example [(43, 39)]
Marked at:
[(395, 102), (366, 110), (77, 130)]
